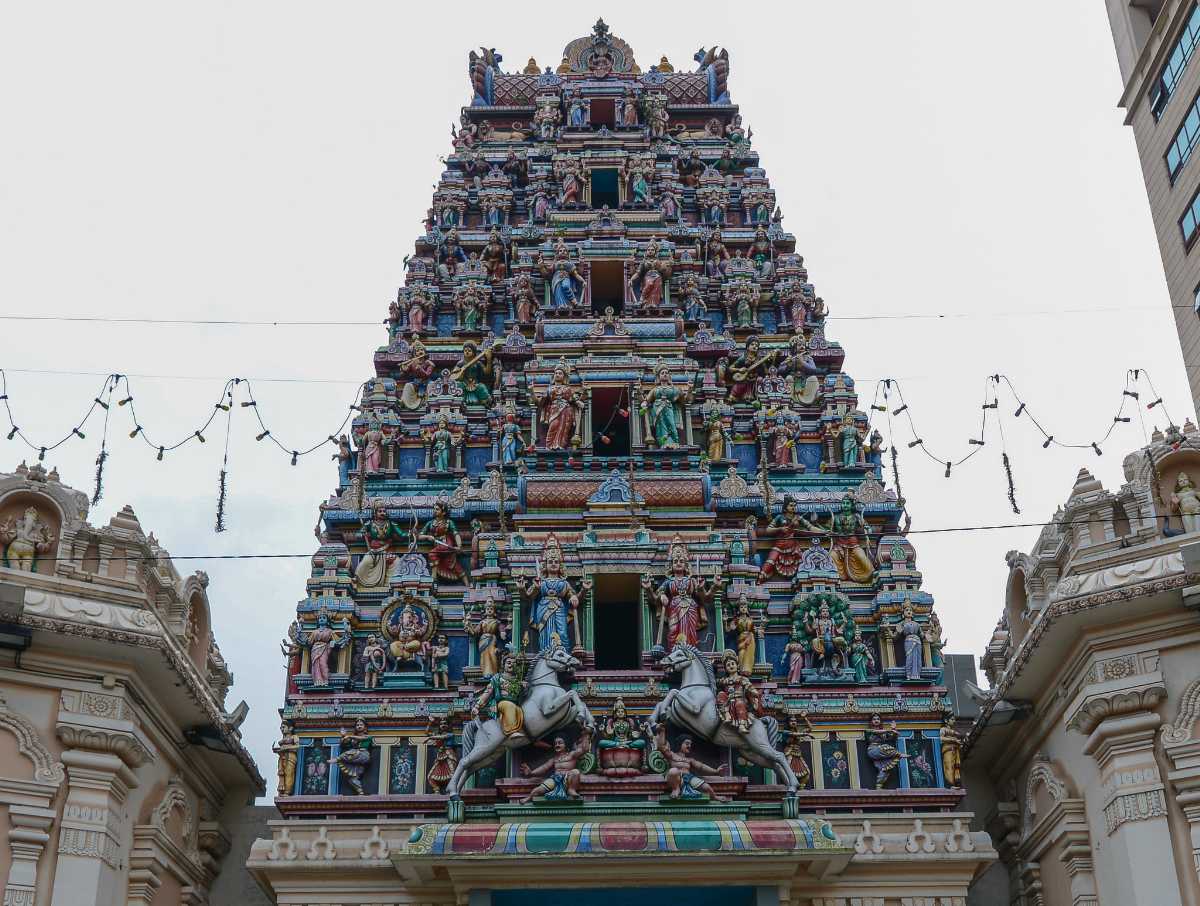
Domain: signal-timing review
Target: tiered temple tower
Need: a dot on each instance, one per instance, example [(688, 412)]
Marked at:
[(609, 484)]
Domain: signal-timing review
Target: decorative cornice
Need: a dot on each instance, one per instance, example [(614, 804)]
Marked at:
[(1097, 701), (123, 743)]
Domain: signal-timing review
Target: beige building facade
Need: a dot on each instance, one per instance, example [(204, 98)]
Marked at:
[(1156, 41), (1089, 737), (121, 774)]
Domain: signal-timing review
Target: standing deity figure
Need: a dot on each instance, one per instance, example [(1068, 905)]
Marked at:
[(716, 256), (663, 403), (738, 701), (439, 657), (913, 635), (639, 186), (474, 373), (553, 601), (743, 626), (577, 112), (418, 310), (628, 114), (503, 693), (374, 661), (415, 371), (572, 185), (1186, 501), (761, 252), (849, 442), (793, 657), (881, 749), (685, 776), (741, 375), (797, 746), (371, 453), (828, 638), (862, 659), (345, 460), (440, 737), (494, 256), (471, 307), (651, 275), (541, 205), (546, 119), (786, 529), (566, 285), (694, 307), (560, 771), (951, 752), (379, 534), (488, 633), (441, 532), (657, 117), (668, 203), (682, 601), (849, 553), (354, 754), (560, 407), (441, 442), (716, 437), (288, 750), (524, 300), (933, 635), (321, 643), (450, 255), (512, 441), (782, 444)]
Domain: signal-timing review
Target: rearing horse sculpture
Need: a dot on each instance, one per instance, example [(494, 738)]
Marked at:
[(546, 707), (693, 706)]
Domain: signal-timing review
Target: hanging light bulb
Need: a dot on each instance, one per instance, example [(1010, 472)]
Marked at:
[(13, 432), (1020, 409), (294, 455), (41, 454), (101, 403), (128, 399), (80, 433), (200, 437), (160, 453), (136, 431), (1046, 443), (261, 436)]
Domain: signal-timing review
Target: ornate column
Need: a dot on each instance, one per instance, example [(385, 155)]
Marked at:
[(1117, 717), (1182, 749), (100, 755), (27, 837)]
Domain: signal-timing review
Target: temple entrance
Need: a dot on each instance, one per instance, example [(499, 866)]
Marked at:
[(628, 896), (608, 286), (616, 620), (610, 421)]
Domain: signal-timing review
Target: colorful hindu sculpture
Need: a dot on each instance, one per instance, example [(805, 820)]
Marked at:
[(354, 754), (607, 355), (951, 742), (1186, 500), (24, 537), (488, 632), (553, 601)]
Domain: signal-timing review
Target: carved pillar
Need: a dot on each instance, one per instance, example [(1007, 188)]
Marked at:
[(100, 755), (27, 838), (1183, 751), (1116, 715)]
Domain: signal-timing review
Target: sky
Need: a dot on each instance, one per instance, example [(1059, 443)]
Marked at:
[(965, 162)]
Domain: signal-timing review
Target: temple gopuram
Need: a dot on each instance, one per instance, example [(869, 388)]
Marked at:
[(611, 591)]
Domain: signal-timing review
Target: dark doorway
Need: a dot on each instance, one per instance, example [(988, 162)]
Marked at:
[(604, 188), (603, 112), (615, 621), (608, 286), (631, 896), (610, 421)]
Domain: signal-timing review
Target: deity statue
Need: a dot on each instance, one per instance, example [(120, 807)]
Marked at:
[(734, 131), (786, 529), (797, 746), (441, 532), (503, 692), (738, 701), (524, 300), (639, 186), (553, 601), (690, 167), (762, 253), (471, 307), (694, 308), (685, 777), (512, 442), (418, 310), (577, 112), (782, 445), (409, 628), (849, 553), (541, 205), (345, 460), (546, 119), (849, 442), (516, 168), (933, 635), (371, 453), (793, 657), (441, 442), (881, 749), (572, 185), (450, 254), (656, 117), (914, 637), (862, 659), (566, 285), (1186, 501), (682, 600), (804, 371), (828, 638), (464, 136), (726, 165), (474, 373), (661, 404), (651, 275), (560, 770), (560, 408), (415, 371), (716, 437), (742, 373), (439, 658), (288, 750), (354, 754), (488, 633), (621, 745), (951, 752), (321, 643), (440, 737), (495, 256), (668, 204), (716, 256), (374, 661), (379, 534), (627, 109), (741, 623)]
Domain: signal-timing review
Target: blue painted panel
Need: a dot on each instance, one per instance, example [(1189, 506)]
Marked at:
[(716, 318), (459, 647), (411, 459), (477, 459), (497, 323), (775, 646), (747, 458), (768, 319), (445, 324), (810, 457)]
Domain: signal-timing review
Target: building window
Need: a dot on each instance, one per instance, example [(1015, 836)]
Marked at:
[(1161, 93), (1184, 142), (1190, 221)]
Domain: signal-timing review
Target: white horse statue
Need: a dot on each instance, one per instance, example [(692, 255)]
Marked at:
[(693, 706), (546, 707)]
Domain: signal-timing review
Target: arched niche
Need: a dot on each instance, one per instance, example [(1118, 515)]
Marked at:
[(1184, 460), (13, 507)]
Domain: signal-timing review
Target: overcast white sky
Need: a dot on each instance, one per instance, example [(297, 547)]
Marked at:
[(274, 160)]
